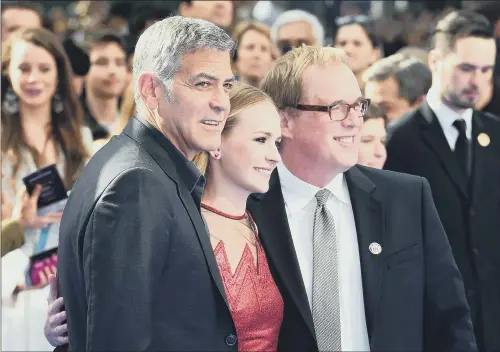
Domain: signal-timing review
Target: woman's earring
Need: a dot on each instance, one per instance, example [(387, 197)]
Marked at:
[(57, 103), (11, 101), (217, 154)]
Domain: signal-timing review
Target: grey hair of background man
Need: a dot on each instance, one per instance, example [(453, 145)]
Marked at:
[(161, 48), (415, 51), (292, 16), (413, 76)]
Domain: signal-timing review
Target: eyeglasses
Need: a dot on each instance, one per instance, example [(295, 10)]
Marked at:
[(351, 19), (338, 111)]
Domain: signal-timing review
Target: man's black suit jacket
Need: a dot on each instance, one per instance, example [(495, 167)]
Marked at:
[(413, 292), (136, 267), (468, 209)]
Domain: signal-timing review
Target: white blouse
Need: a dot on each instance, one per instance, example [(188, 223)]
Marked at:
[(12, 185)]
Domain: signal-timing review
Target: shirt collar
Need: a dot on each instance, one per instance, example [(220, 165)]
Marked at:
[(297, 193), (447, 116), (188, 171)]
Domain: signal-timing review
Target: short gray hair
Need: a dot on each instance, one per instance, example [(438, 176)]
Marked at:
[(413, 76), (415, 51), (161, 48), (292, 16)]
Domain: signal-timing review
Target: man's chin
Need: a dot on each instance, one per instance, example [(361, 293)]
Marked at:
[(209, 147), (467, 104)]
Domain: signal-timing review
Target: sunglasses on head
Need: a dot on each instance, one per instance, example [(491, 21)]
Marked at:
[(352, 19), (286, 45)]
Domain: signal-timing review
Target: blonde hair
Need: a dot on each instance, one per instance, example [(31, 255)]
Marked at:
[(241, 96), (127, 110), (283, 82), (245, 26)]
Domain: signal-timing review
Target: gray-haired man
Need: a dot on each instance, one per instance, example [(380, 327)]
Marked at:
[(136, 269), (398, 83)]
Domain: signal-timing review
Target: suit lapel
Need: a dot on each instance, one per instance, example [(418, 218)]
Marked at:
[(140, 133), (369, 219), (433, 136), (479, 153), (203, 236), (270, 215)]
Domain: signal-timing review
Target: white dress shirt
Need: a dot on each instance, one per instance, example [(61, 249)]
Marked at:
[(447, 117), (300, 205)]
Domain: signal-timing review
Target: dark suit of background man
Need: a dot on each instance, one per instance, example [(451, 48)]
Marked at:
[(458, 150), (136, 267), (359, 254)]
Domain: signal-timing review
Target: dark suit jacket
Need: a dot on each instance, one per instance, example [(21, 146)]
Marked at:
[(470, 212), (413, 292), (136, 267)]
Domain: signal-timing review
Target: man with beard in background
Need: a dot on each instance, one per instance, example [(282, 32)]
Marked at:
[(457, 149)]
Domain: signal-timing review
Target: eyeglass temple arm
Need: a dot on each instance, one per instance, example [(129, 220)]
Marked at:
[(313, 107)]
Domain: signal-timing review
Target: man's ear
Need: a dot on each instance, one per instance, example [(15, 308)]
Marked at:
[(433, 59), (419, 100), (287, 124), (148, 91)]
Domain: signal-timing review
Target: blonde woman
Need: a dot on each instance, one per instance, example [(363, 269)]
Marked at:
[(242, 166), (254, 54)]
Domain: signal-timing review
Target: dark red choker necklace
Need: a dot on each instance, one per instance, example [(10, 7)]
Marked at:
[(221, 213)]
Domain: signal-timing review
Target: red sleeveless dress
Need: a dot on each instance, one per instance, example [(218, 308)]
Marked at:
[(254, 299)]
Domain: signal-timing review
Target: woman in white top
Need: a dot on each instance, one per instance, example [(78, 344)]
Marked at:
[(41, 122)]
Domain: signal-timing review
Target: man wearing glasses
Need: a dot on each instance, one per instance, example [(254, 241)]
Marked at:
[(359, 253)]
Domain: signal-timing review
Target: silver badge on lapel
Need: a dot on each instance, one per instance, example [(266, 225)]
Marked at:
[(375, 248)]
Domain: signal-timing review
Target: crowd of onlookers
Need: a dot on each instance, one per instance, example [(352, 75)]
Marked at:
[(66, 90)]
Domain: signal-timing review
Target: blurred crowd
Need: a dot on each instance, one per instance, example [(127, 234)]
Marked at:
[(66, 89)]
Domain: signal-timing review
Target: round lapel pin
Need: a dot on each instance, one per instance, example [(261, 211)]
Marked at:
[(483, 139), (375, 248)]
